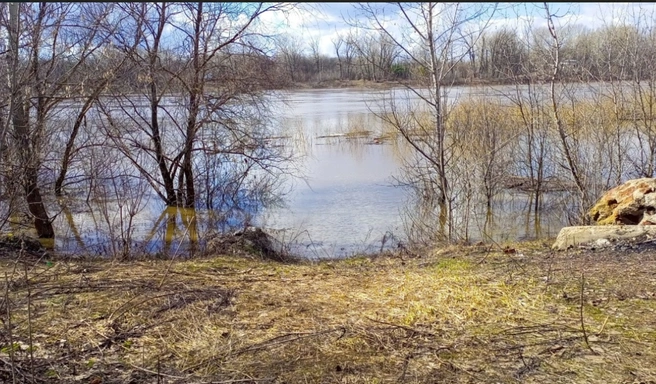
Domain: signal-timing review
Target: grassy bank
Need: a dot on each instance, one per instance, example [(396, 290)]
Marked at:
[(458, 314), (387, 84)]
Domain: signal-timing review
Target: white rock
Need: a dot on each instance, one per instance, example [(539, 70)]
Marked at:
[(602, 243), (574, 236)]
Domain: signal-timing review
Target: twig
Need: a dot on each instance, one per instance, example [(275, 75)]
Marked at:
[(124, 307), (409, 329), (29, 321), (111, 315), (406, 362), (158, 370), (282, 339), (539, 343), (251, 380), (603, 326), (585, 334), (650, 241), (24, 375), (170, 264), (9, 330)]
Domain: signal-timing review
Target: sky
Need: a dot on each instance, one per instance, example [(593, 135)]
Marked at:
[(326, 21)]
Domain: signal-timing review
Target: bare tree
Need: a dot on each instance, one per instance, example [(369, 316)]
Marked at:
[(338, 43), (530, 156), (291, 52), (29, 142), (203, 89), (431, 40), (344, 51), (506, 55), (49, 46), (316, 56), (568, 143), (376, 53)]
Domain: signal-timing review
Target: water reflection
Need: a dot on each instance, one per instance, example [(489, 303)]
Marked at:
[(173, 231), (181, 225)]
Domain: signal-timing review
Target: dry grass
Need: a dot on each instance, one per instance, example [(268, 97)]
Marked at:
[(458, 314)]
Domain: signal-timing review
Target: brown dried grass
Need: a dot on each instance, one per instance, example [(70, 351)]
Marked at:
[(456, 314)]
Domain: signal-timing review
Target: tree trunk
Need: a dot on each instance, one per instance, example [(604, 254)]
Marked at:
[(36, 207), (167, 177), (28, 158), (21, 126)]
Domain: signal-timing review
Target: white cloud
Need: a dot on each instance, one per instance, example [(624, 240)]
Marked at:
[(326, 21)]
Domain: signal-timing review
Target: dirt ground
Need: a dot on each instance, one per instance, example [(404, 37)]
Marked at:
[(466, 314)]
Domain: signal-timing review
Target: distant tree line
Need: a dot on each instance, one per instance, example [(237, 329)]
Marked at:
[(503, 56)]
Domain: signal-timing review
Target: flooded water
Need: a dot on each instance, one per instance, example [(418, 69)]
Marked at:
[(350, 201), (346, 201), (342, 200)]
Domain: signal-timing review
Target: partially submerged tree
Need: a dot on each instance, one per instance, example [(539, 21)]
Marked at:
[(49, 43), (199, 67), (201, 85), (430, 36)]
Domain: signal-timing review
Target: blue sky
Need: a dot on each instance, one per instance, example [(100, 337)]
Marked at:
[(325, 21)]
